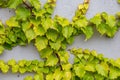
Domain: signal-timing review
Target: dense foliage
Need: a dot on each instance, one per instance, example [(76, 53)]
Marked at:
[(34, 24)]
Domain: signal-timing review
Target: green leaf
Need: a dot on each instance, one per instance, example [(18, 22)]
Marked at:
[(88, 31), (39, 13), (41, 43), (55, 45), (88, 76), (47, 23), (45, 53), (12, 22), (21, 63), (111, 21), (52, 35), (39, 76), (58, 74), (79, 70), (39, 30), (1, 49), (12, 36), (114, 73), (14, 3), (22, 70), (51, 60), (26, 25), (102, 69), (64, 56), (35, 4), (11, 62), (2, 28), (5, 69), (118, 1), (104, 15), (96, 19), (99, 77), (67, 66), (102, 28), (67, 31), (111, 31), (28, 78), (30, 34), (82, 22), (15, 68), (67, 75), (22, 13), (50, 77), (70, 40), (62, 21), (90, 67)]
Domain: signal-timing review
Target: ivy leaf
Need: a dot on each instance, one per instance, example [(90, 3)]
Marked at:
[(55, 45), (28, 78), (82, 22), (51, 60), (39, 13), (11, 62), (41, 43), (67, 66), (102, 28), (39, 30), (50, 77), (45, 53), (79, 70), (22, 70), (30, 34), (99, 77), (88, 31), (62, 21), (67, 31), (15, 68), (22, 13), (21, 63), (39, 77), (70, 40), (104, 15), (52, 35), (67, 75), (102, 69), (12, 36), (1, 49), (58, 74), (12, 22), (111, 31), (111, 21), (26, 26), (90, 67), (47, 23), (96, 19), (35, 4), (114, 73), (5, 68), (88, 76), (64, 56), (2, 28), (14, 3)]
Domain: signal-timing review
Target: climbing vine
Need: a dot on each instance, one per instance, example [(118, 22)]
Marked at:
[(33, 23)]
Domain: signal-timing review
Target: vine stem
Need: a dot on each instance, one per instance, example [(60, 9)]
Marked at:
[(29, 7), (59, 62)]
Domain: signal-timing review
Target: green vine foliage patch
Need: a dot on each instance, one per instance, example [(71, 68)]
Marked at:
[(34, 24)]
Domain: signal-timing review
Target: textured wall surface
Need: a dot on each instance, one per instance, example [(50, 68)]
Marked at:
[(66, 8)]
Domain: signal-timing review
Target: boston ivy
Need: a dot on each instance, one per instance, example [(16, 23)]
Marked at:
[(34, 24)]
